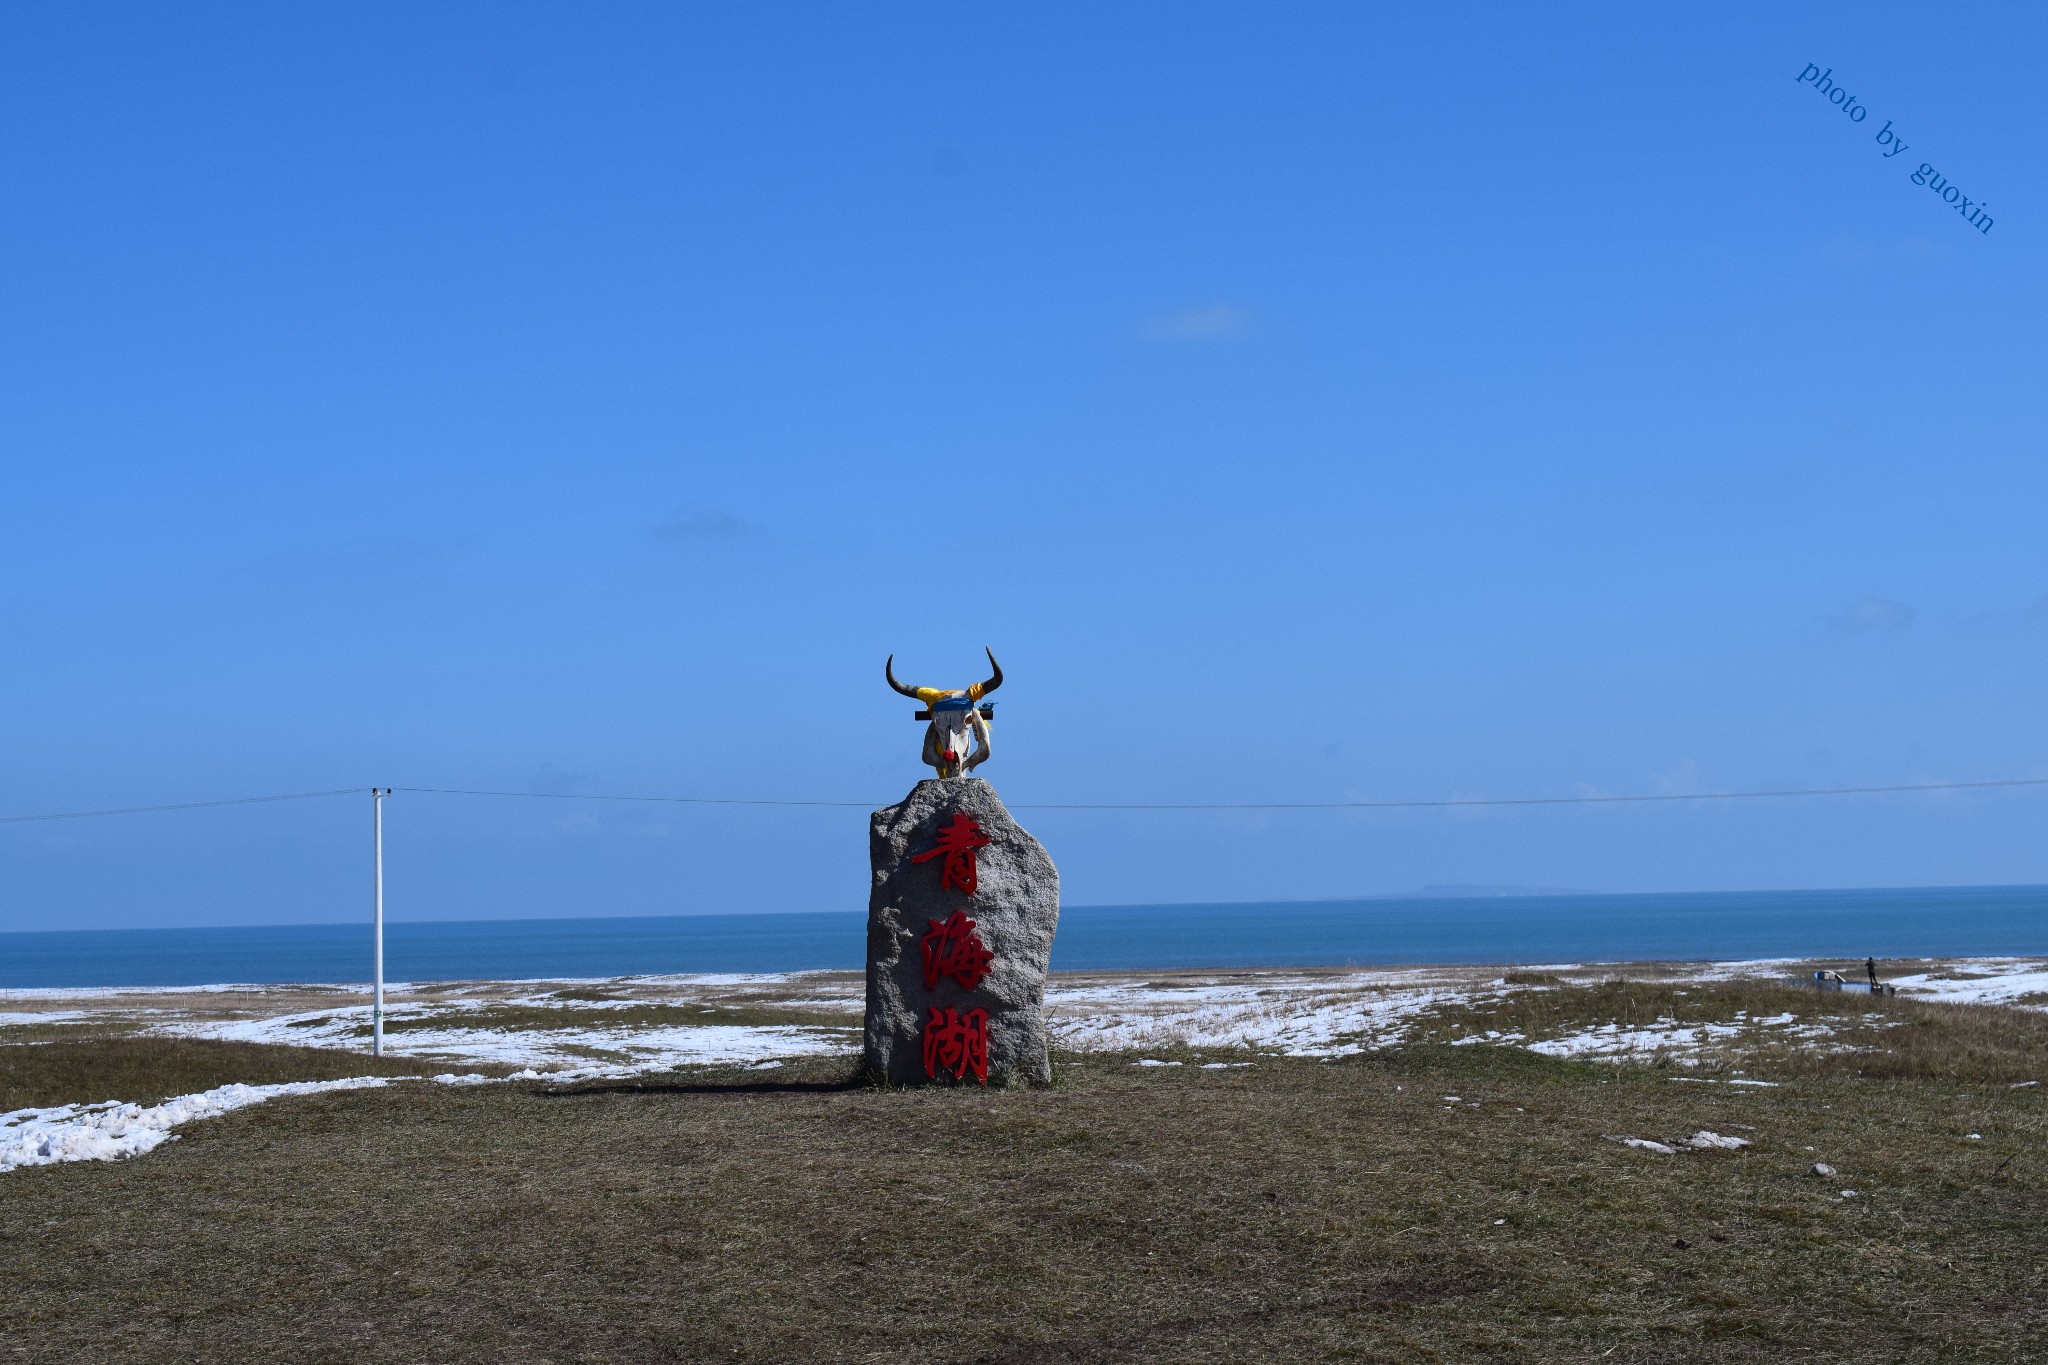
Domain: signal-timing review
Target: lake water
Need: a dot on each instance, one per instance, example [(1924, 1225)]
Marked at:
[(1927, 921)]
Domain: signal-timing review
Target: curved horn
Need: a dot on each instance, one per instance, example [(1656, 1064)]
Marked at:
[(889, 672), (994, 681)]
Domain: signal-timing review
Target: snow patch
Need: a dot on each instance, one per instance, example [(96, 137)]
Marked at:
[(1683, 1044), (1295, 1018), (112, 1131), (1644, 1144), (1990, 981), (1706, 1139), (597, 1050)]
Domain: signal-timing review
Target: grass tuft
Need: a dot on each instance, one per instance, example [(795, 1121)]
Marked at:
[(149, 1070)]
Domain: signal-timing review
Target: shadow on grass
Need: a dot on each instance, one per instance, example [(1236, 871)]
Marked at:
[(706, 1087), (817, 1076)]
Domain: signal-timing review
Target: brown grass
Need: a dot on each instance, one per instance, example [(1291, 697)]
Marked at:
[(1285, 1211), (146, 1070)]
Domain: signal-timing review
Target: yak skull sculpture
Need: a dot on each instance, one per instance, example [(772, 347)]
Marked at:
[(958, 724)]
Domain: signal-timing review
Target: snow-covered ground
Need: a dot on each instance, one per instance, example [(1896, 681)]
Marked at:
[(577, 1030), (638, 1024), (1295, 1016), (1686, 1044), (38, 1018), (111, 1130), (459, 1036), (1983, 981)]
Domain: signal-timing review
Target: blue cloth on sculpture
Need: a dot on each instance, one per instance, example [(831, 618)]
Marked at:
[(959, 703)]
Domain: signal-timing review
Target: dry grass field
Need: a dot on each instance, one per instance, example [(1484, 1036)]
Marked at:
[(1435, 1200), (146, 1069)]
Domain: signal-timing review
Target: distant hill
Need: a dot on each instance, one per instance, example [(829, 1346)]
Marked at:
[(1459, 891)]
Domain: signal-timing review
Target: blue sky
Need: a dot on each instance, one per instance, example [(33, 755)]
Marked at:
[(1308, 402)]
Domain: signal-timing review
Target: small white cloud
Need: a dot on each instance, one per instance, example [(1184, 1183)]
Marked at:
[(1870, 614), (1849, 251), (551, 780), (1211, 322), (1683, 779), (704, 526)]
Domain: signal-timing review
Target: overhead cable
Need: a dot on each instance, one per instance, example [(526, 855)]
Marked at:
[(1299, 805), (1535, 800), (669, 800), (1449, 804), (182, 805)]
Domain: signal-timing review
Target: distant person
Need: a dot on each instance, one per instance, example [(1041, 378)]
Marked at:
[(1870, 966)]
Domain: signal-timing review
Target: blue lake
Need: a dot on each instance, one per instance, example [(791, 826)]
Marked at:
[(1929, 921)]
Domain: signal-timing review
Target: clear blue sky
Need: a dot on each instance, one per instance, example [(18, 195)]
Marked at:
[(1308, 402)]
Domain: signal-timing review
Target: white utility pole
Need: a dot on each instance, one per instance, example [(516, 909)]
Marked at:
[(377, 795)]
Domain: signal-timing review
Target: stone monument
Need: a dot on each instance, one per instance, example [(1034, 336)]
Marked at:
[(960, 918)]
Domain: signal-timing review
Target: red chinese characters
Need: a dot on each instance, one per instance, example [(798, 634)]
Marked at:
[(952, 947), (957, 842), (956, 1041)]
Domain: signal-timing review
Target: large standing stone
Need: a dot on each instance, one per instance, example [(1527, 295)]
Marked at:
[(1015, 907)]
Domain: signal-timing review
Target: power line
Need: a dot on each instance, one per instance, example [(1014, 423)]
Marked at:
[(668, 800), (1539, 800), (1298, 805), (182, 805), (1455, 803)]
